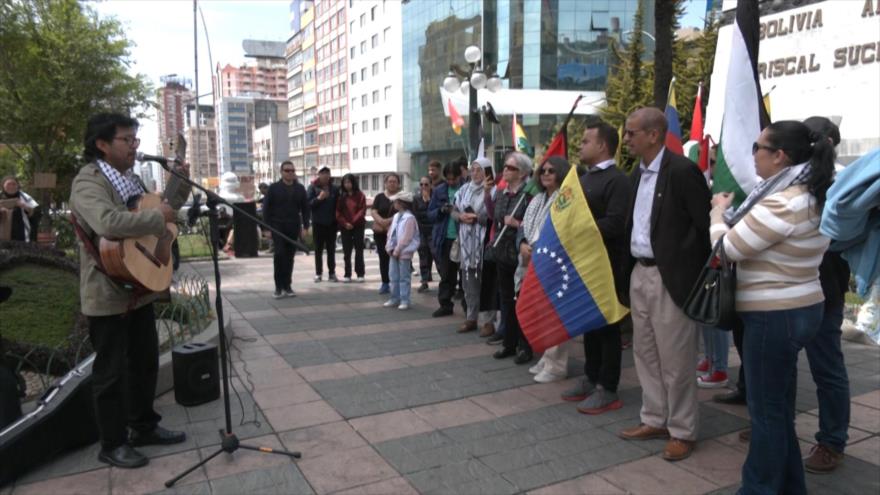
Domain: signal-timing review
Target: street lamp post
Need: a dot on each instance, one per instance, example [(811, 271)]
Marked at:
[(475, 79)]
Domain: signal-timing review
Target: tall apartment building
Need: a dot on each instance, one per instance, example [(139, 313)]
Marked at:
[(331, 85), (375, 96), (266, 77), (172, 98), (300, 47), (237, 119), (201, 141)]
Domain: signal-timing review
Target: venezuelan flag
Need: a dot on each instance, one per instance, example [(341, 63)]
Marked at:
[(673, 132), (568, 289)]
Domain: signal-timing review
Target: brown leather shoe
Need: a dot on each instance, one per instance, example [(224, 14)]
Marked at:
[(467, 326), (677, 449), (822, 459), (487, 330), (643, 432), (745, 435)]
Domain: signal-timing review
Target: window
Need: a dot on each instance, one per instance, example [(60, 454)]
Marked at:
[(376, 96), (364, 74), (310, 138), (354, 128), (376, 182), (352, 53), (374, 41), (363, 19), (376, 124), (387, 91), (364, 127), (376, 68), (376, 151), (387, 121), (342, 88), (385, 34), (354, 102), (354, 77), (385, 63), (363, 47), (388, 149), (365, 152), (351, 27), (363, 100), (354, 153), (373, 13)]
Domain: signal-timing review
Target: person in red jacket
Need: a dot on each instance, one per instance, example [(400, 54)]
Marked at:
[(351, 216)]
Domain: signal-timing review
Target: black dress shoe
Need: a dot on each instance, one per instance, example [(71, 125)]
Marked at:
[(123, 456), (159, 436), (523, 357), (442, 311), (734, 397), (504, 352)]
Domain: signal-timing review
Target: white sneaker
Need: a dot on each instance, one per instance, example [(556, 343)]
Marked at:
[(317, 278), (403, 306), (361, 280), (289, 293), (537, 368), (547, 377), (346, 280), (390, 303), (277, 294)]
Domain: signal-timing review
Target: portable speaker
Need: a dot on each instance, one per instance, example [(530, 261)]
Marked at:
[(196, 374), (245, 238)]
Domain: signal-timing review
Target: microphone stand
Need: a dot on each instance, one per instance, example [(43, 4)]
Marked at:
[(229, 441)]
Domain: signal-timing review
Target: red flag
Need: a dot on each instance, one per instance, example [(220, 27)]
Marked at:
[(559, 145), (454, 118), (697, 131)]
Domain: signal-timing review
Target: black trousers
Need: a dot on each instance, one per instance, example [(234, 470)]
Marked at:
[(124, 373), (353, 238), (513, 336), (283, 261), (381, 238), (602, 351), (448, 276), (425, 258), (738, 331), (325, 240)]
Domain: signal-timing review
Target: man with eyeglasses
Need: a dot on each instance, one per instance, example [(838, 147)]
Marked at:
[(286, 208), (122, 324), (667, 233)]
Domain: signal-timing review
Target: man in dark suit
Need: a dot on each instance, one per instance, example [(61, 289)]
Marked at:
[(668, 239)]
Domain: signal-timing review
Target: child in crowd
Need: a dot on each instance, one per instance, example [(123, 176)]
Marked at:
[(403, 241)]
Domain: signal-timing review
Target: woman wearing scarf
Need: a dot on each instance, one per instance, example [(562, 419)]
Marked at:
[(470, 213), (20, 214), (774, 238), (553, 365)]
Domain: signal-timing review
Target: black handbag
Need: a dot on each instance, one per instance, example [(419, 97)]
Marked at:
[(712, 300)]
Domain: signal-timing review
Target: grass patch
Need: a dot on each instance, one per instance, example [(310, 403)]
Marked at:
[(852, 298), (193, 246), (43, 305)]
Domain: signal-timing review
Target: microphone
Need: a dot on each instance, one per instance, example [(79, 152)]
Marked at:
[(141, 157)]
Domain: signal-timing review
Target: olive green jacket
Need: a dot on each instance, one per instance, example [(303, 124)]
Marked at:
[(99, 210)]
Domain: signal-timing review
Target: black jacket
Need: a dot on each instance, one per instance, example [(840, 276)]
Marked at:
[(323, 211), (286, 208), (608, 194), (679, 225)]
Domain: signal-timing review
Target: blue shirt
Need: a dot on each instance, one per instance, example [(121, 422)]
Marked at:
[(640, 245)]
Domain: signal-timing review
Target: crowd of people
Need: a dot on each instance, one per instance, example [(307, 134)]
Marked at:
[(658, 226)]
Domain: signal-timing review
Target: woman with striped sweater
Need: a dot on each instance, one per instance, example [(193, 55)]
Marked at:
[(774, 238)]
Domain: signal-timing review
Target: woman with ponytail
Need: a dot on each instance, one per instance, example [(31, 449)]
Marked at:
[(774, 238)]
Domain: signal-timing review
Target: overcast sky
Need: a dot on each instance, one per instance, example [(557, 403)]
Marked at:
[(162, 31)]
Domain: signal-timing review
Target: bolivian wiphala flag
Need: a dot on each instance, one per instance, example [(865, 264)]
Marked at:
[(568, 289)]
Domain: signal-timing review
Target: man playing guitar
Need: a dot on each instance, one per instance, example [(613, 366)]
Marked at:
[(122, 324)]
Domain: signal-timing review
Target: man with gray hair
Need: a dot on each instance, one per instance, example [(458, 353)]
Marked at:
[(668, 239)]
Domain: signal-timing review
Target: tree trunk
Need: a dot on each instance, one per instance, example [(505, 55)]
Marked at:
[(664, 25)]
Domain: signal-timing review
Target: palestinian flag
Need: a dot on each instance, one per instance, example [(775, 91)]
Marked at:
[(520, 141), (744, 112), (454, 118)]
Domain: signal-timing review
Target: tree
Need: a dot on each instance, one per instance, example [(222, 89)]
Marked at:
[(59, 64), (666, 14), (692, 64)]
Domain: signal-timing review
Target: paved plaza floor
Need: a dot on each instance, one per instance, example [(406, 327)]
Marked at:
[(381, 401)]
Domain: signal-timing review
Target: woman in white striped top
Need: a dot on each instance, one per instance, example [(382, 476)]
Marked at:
[(774, 238)]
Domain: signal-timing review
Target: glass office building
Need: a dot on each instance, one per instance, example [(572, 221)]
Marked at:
[(533, 44)]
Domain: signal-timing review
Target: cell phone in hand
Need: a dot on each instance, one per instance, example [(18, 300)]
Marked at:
[(468, 210)]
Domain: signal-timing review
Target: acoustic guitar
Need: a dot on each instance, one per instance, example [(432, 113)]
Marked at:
[(146, 261)]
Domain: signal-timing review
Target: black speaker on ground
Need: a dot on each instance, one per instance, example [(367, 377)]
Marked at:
[(245, 240), (196, 373), (63, 419)]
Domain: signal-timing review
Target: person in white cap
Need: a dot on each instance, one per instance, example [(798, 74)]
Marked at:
[(403, 242)]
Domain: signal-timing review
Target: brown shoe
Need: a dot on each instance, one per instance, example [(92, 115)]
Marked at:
[(822, 459), (643, 432), (487, 330), (677, 449), (467, 326), (745, 435)]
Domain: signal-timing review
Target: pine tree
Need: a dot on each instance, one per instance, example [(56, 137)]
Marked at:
[(666, 15), (693, 64)]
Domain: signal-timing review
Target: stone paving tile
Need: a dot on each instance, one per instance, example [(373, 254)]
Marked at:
[(807, 424), (76, 461), (654, 475), (387, 426), (346, 469), (308, 414), (715, 462), (870, 399), (397, 486), (332, 371), (95, 481), (867, 450), (321, 440), (375, 365), (153, 476), (280, 480), (286, 396), (453, 413), (508, 402), (590, 483)]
